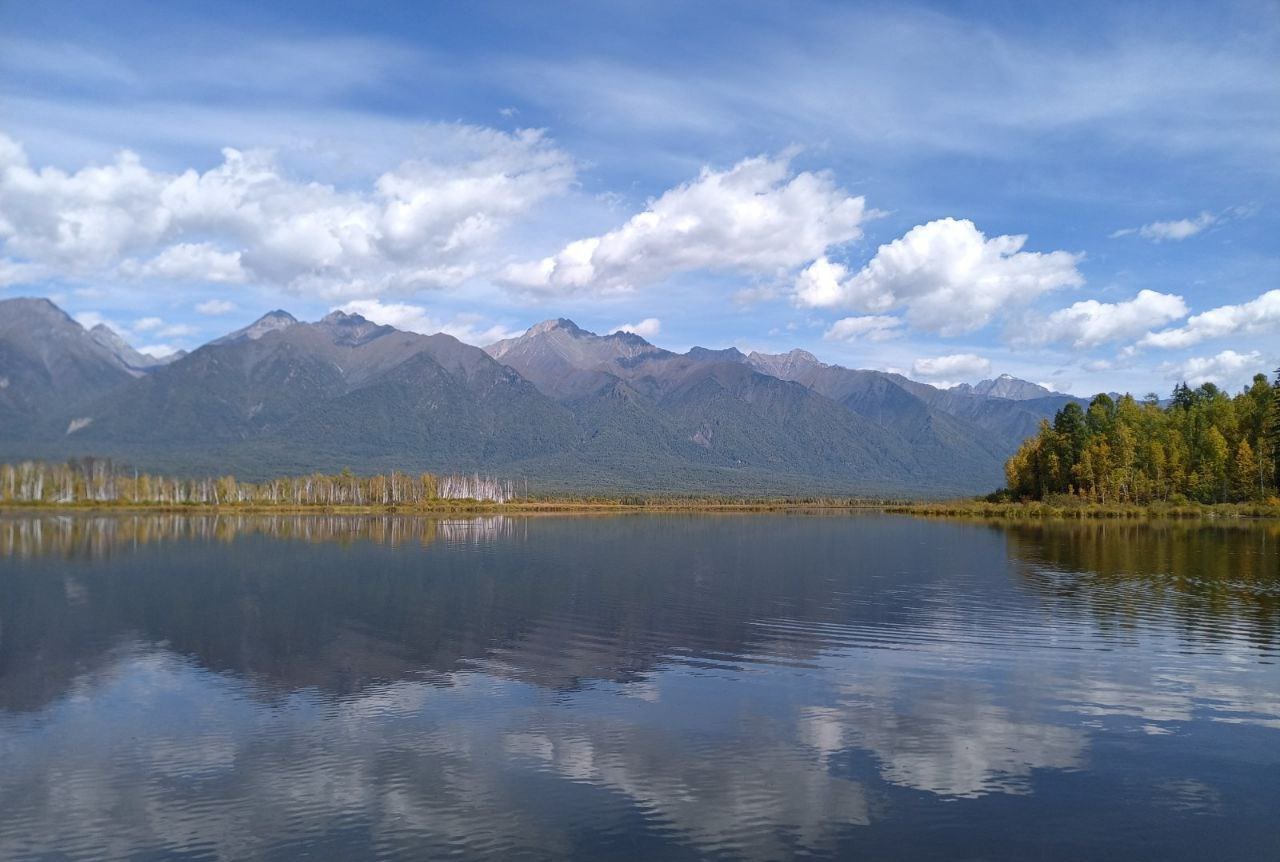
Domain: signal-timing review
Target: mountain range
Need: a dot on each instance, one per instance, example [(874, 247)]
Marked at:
[(566, 408)]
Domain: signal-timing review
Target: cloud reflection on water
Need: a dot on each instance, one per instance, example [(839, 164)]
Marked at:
[(734, 686)]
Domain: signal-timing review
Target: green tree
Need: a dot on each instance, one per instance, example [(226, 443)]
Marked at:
[(1070, 431)]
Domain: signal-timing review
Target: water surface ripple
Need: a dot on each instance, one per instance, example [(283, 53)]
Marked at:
[(743, 687)]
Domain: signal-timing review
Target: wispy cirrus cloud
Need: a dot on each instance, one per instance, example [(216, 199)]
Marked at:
[(871, 327), (890, 80), (1173, 230), (1176, 230)]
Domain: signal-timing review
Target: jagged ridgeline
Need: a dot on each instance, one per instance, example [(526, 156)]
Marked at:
[(96, 480), (573, 411)]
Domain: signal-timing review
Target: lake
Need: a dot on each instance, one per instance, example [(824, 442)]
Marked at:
[(637, 687)]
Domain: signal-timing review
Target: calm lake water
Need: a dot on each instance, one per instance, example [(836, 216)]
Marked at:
[(755, 687)]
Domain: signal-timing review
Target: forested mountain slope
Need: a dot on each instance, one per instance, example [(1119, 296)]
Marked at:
[(566, 408)]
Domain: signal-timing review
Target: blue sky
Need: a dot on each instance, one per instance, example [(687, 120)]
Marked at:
[(1079, 194)]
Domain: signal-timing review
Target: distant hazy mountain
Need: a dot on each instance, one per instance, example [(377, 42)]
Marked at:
[(1004, 386), (790, 414), (565, 407), (48, 363), (1007, 422), (134, 359), (887, 400), (959, 418), (566, 362)]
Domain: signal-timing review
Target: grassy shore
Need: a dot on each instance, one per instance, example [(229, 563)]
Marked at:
[(604, 505), (1085, 510)]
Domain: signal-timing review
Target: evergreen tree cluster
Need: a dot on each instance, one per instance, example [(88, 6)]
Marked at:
[(1205, 446)]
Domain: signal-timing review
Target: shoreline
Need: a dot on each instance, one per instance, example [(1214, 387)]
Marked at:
[(941, 509)]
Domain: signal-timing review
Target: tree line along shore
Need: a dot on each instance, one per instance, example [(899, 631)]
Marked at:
[(94, 485), (1203, 447), (91, 483)]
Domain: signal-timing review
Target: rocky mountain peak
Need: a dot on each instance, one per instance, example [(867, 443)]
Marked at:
[(707, 354), (783, 365), (33, 314), (559, 324), (272, 321), (1004, 386), (351, 329), (124, 351)]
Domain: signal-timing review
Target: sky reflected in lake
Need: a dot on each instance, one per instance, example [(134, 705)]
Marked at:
[(751, 687)]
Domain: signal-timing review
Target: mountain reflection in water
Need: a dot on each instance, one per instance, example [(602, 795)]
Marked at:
[(742, 687)]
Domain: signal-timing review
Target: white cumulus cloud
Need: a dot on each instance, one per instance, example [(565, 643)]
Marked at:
[(947, 274), (193, 262), (1089, 323), (1259, 315), (755, 218), (953, 367), (872, 327), (423, 224), (1225, 369), (647, 328)]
